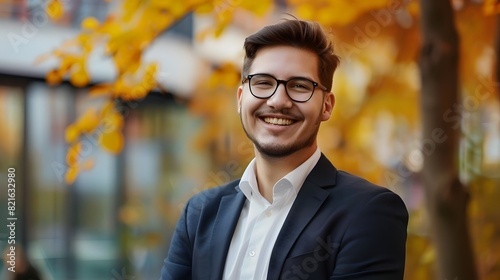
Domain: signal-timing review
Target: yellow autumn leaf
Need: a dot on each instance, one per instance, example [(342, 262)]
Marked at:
[(204, 33), (55, 9), (429, 256), (125, 94), (205, 8), (80, 78), (138, 92), (130, 9), (413, 8), (111, 122), (151, 69), (112, 141), (305, 11), (149, 78), (73, 154), (164, 20), (67, 62), (89, 121), (294, 2), (491, 7), (90, 23), (54, 77), (71, 175), (178, 8), (125, 56), (259, 10), (159, 4), (72, 133), (230, 80), (111, 27), (107, 108), (120, 88), (102, 89)]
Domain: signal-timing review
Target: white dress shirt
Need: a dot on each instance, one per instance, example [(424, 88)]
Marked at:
[(260, 222)]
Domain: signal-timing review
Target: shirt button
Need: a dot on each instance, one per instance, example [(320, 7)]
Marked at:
[(269, 213), (251, 253)]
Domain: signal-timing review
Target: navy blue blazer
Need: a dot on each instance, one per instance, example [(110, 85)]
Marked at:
[(340, 227)]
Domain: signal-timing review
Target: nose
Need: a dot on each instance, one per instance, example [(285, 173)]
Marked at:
[(280, 100)]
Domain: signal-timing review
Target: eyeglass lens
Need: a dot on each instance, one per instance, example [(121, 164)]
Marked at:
[(264, 86)]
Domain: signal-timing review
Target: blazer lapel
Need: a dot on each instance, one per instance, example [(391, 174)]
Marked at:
[(225, 223), (309, 199)]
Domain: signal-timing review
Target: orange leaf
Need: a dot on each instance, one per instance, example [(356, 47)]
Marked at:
[(54, 77)]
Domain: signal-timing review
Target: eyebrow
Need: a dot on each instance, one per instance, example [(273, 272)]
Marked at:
[(292, 77)]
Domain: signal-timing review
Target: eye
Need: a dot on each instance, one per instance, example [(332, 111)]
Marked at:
[(300, 85), (263, 81)]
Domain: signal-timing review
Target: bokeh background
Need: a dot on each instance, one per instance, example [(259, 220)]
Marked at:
[(102, 203)]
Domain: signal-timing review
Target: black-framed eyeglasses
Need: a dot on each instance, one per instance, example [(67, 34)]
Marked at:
[(298, 89)]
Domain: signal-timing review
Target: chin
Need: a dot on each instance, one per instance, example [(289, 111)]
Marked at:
[(275, 152), (280, 151)]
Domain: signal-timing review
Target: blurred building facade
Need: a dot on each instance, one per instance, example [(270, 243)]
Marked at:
[(114, 221)]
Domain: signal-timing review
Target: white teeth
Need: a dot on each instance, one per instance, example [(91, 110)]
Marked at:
[(278, 121)]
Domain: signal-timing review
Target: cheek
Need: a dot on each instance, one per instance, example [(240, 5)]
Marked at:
[(246, 112), (313, 116), (248, 104)]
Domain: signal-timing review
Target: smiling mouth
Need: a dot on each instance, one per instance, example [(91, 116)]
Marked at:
[(278, 121)]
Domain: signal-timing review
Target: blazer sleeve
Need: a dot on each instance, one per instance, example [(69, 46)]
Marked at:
[(374, 244), (178, 264)]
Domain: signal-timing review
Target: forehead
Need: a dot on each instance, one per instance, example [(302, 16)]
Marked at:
[(284, 62)]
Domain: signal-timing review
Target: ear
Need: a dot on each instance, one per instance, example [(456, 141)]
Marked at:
[(239, 95), (328, 104)]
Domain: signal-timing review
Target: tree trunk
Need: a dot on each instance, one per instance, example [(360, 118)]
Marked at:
[(497, 51), (446, 197)]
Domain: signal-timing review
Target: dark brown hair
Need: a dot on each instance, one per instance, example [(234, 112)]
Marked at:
[(295, 33)]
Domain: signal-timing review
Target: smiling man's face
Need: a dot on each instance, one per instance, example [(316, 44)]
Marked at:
[(278, 126)]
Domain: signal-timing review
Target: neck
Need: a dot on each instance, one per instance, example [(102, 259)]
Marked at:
[(271, 169)]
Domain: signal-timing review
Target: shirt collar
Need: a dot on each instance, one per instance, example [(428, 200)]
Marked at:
[(296, 178)]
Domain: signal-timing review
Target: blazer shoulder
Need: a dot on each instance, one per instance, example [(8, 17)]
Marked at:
[(355, 182), (212, 195), (366, 199), (358, 187)]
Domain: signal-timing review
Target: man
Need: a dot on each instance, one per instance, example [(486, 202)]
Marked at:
[(292, 215)]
